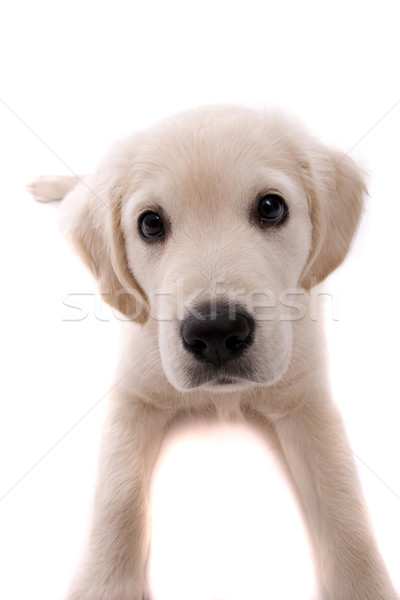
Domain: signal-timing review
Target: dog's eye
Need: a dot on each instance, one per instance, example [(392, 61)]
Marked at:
[(151, 225), (272, 209)]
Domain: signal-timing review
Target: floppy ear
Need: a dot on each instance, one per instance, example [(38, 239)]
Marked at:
[(336, 189), (90, 218)]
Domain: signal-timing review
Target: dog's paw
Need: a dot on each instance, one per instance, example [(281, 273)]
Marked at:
[(49, 188), (45, 188)]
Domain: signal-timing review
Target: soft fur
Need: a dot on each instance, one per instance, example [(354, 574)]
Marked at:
[(204, 169)]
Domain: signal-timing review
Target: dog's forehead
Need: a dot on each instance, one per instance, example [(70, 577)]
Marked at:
[(210, 142), (216, 152)]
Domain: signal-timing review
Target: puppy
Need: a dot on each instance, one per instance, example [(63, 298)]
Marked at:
[(206, 233)]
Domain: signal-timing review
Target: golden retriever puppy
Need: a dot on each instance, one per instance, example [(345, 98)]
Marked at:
[(206, 233)]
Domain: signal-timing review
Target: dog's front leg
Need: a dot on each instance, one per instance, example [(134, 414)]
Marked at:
[(113, 567), (320, 461)]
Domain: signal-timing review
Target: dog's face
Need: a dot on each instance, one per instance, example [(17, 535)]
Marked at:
[(215, 218), (216, 227)]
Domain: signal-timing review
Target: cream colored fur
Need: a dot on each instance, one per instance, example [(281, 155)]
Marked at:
[(204, 169)]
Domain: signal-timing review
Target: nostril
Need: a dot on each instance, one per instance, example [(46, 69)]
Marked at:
[(192, 342), (198, 345), (234, 343)]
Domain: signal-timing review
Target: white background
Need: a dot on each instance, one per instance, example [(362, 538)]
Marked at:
[(75, 76)]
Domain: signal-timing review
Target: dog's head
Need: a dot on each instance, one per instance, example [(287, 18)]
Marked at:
[(203, 222)]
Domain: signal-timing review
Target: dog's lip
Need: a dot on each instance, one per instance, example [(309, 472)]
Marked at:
[(228, 384), (227, 380)]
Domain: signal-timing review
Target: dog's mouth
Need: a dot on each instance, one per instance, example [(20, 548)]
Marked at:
[(225, 381), (208, 375), (228, 381), (226, 384)]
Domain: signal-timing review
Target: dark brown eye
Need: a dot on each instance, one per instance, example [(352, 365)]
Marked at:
[(272, 209), (151, 225)]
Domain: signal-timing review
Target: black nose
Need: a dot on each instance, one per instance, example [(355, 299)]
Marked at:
[(217, 336)]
